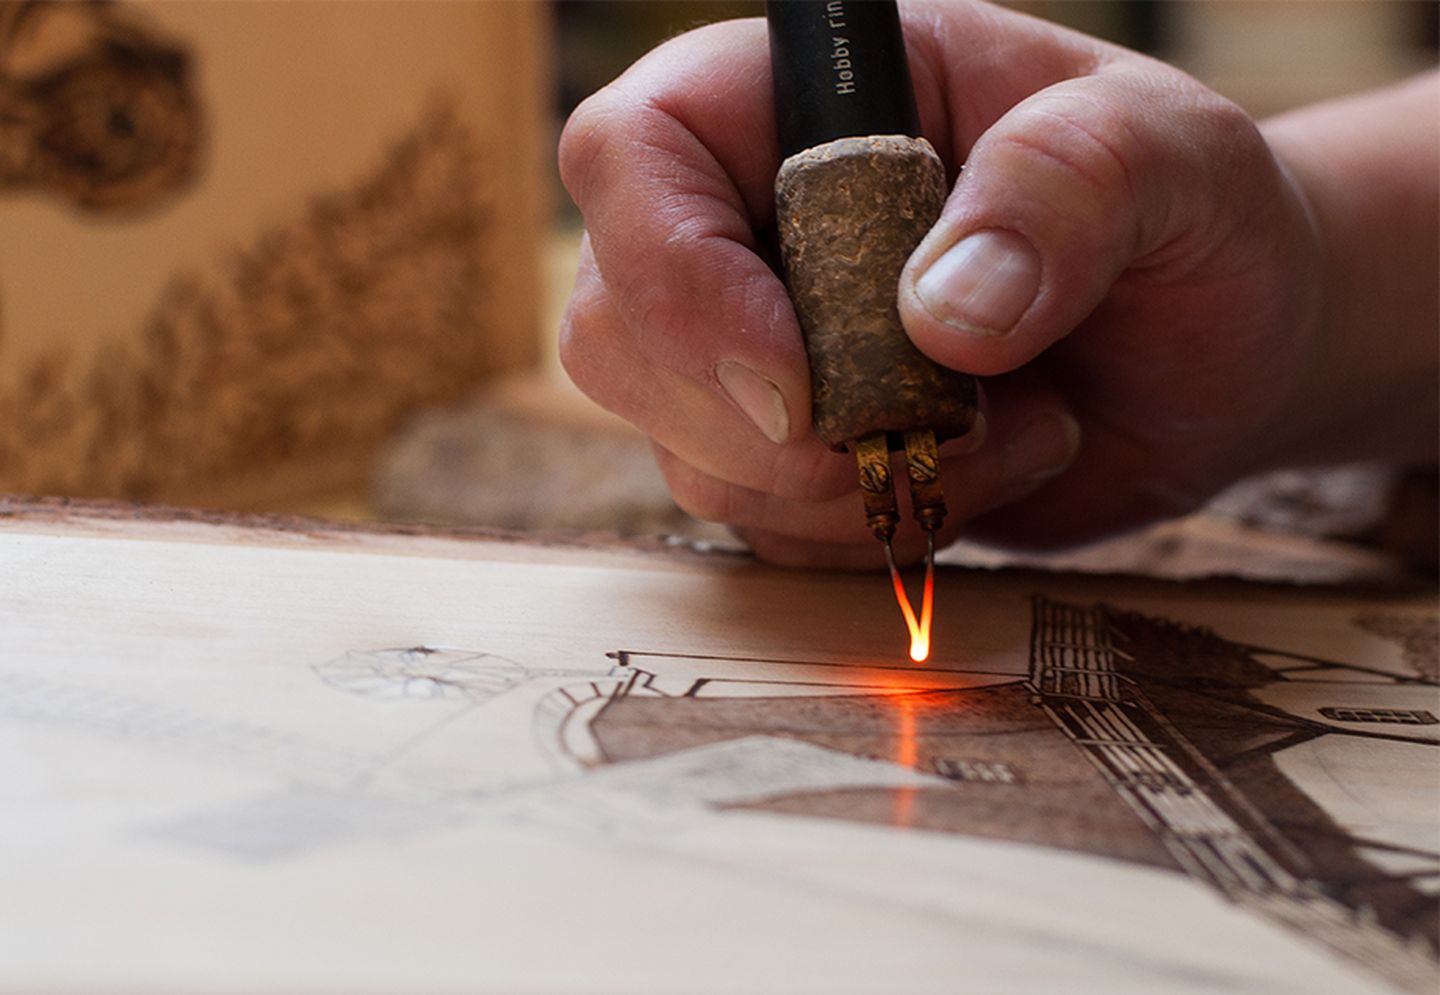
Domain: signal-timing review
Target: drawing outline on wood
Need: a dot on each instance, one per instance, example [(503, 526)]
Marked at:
[(1212, 830), (1157, 798), (1076, 787)]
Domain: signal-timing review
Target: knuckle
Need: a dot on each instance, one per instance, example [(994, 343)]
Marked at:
[(585, 337), (1079, 138), (1233, 183), (576, 352), (584, 141), (1232, 137)]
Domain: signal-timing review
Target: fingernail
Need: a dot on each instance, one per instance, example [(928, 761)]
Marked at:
[(983, 283), (1041, 449), (757, 397)]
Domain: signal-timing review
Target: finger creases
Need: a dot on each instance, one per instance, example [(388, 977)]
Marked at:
[(710, 86), (1093, 175), (668, 236)]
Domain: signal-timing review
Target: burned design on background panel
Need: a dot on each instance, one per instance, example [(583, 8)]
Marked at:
[(313, 338), (97, 106)]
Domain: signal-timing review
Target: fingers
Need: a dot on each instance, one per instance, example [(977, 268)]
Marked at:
[(1134, 167), (674, 228), (1114, 485), (697, 419), (1084, 165), (1033, 438), (701, 103), (672, 167)]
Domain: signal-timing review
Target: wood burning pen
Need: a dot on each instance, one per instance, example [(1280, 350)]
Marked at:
[(856, 192)]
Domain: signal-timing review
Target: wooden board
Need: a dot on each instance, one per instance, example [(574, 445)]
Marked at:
[(298, 223), (265, 755)]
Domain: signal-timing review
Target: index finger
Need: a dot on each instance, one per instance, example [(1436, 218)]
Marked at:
[(672, 166)]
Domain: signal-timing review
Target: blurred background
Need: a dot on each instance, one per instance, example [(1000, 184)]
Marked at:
[(311, 256)]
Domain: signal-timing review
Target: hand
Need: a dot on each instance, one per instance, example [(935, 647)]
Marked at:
[(1123, 259)]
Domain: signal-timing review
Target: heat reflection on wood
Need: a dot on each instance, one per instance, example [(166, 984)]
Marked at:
[(906, 753)]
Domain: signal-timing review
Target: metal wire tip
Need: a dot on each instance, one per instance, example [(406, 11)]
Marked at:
[(877, 488), (919, 629)]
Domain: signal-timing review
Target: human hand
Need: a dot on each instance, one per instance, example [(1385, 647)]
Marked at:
[(1122, 259)]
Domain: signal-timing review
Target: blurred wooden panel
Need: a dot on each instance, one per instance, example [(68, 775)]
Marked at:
[(1270, 56), (242, 239)]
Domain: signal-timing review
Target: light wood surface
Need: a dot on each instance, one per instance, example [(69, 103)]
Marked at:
[(270, 754)]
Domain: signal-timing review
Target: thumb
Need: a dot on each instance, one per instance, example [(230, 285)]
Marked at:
[(1058, 198)]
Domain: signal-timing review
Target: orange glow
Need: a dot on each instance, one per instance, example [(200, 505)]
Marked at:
[(919, 630), (906, 753), (907, 750)]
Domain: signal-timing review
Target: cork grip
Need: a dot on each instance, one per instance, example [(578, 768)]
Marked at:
[(849, 214)]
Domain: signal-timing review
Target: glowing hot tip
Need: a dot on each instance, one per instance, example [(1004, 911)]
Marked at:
[(919, 629), (919, 647)]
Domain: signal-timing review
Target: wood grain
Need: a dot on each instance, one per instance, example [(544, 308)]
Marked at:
[(389, 759)]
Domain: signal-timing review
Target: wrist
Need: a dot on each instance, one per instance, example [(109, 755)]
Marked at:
[(1366, 170)]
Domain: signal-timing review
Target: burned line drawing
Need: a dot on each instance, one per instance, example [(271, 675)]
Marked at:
[(423, 672), (1299, 789), (1132, 738)]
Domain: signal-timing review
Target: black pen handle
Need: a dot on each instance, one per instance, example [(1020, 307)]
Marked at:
[(840, 70), (856, 192)]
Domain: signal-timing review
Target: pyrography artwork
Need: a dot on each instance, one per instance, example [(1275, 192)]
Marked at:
[(1124, 785), (1113, 745), (96, 106), (244, 242)]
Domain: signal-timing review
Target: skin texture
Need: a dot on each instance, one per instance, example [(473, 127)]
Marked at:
[(1212, 297)]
